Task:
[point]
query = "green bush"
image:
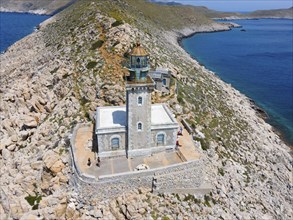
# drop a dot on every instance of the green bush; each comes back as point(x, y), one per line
point(91, 64)
point(34, 201)
point(221, 171)
point(180, 99)
point(97, 44)
point(117, 23)
point(204, 144)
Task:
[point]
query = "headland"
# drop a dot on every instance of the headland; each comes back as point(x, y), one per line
point(51, 83)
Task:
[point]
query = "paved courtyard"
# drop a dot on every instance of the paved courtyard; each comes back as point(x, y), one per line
point(187, 148)
point(87, 163)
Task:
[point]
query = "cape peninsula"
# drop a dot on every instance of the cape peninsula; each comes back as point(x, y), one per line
point(56, 77)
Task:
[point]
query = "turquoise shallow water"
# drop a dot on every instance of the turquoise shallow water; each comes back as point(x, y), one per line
point(257, 61)
point(14, 26)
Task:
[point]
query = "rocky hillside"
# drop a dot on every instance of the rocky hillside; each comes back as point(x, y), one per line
point(278, 13)
point(275, 14)
point(56, 77)
point(34, 6)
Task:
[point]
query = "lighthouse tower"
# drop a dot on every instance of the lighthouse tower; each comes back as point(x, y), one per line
point(139, 87)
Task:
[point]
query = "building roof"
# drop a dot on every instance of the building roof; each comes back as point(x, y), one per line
point(112, 116)
point(162, 70)
point(155, 75)
point(115, 116)
point(138, 50)
point(161, 115)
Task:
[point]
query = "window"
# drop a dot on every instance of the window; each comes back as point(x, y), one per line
point(164, 82)
point(160, 139)
point(139, 100)
point(115, 143)
point(139, 126)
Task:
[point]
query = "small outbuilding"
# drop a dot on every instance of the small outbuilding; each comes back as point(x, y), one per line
point(162, 79)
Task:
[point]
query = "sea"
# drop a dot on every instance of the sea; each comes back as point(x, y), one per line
point(14, 26)
point(257, 60)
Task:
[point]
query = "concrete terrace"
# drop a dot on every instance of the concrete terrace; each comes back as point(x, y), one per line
point(82, 150)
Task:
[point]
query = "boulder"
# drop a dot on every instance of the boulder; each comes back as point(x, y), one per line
point(30, 122)
point(5, 142)
point(50, 158)
point(7, 125)
point(37, 165)
point(28, 216)
point(57, 167)
point(5, 154)
point(16, 211)
point(70, 210)
point(60, 210)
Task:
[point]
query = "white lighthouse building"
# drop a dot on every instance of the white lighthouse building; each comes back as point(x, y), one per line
point(139, 128)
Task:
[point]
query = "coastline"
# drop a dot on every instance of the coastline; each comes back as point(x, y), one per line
point(36, 21)
point(42, 87)
point(250, 18)
point(187, 33)
point(34, 12)
point(258, 110)
point(40, 11)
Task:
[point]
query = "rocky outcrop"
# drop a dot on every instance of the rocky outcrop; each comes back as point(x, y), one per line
point(50, 83)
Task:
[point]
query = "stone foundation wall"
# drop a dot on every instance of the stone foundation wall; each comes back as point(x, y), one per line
point(186, 175)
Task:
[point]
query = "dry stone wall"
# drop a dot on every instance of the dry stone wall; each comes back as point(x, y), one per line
point(179, 176)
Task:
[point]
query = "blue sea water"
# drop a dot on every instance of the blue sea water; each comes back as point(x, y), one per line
point(257, 61)
point(14, 26)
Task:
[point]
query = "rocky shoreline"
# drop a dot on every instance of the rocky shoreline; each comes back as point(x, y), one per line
point(36, 12)
point(49, 87)
point(261, 112)
point(251, 18)
point(35, 7)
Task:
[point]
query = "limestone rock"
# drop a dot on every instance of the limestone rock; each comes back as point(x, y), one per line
point(6, 154)
point(60, 210)
point(50, 158)
point(37, 165)
point(30, 122)
point(57, 166)
point(16, 211)
point(29, 216)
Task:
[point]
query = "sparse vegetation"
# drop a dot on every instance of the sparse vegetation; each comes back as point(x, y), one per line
point(84, 43)
point(34, 201)
point(97, 44)
point(117, 23)
point(91, 65)
point(221, 171)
